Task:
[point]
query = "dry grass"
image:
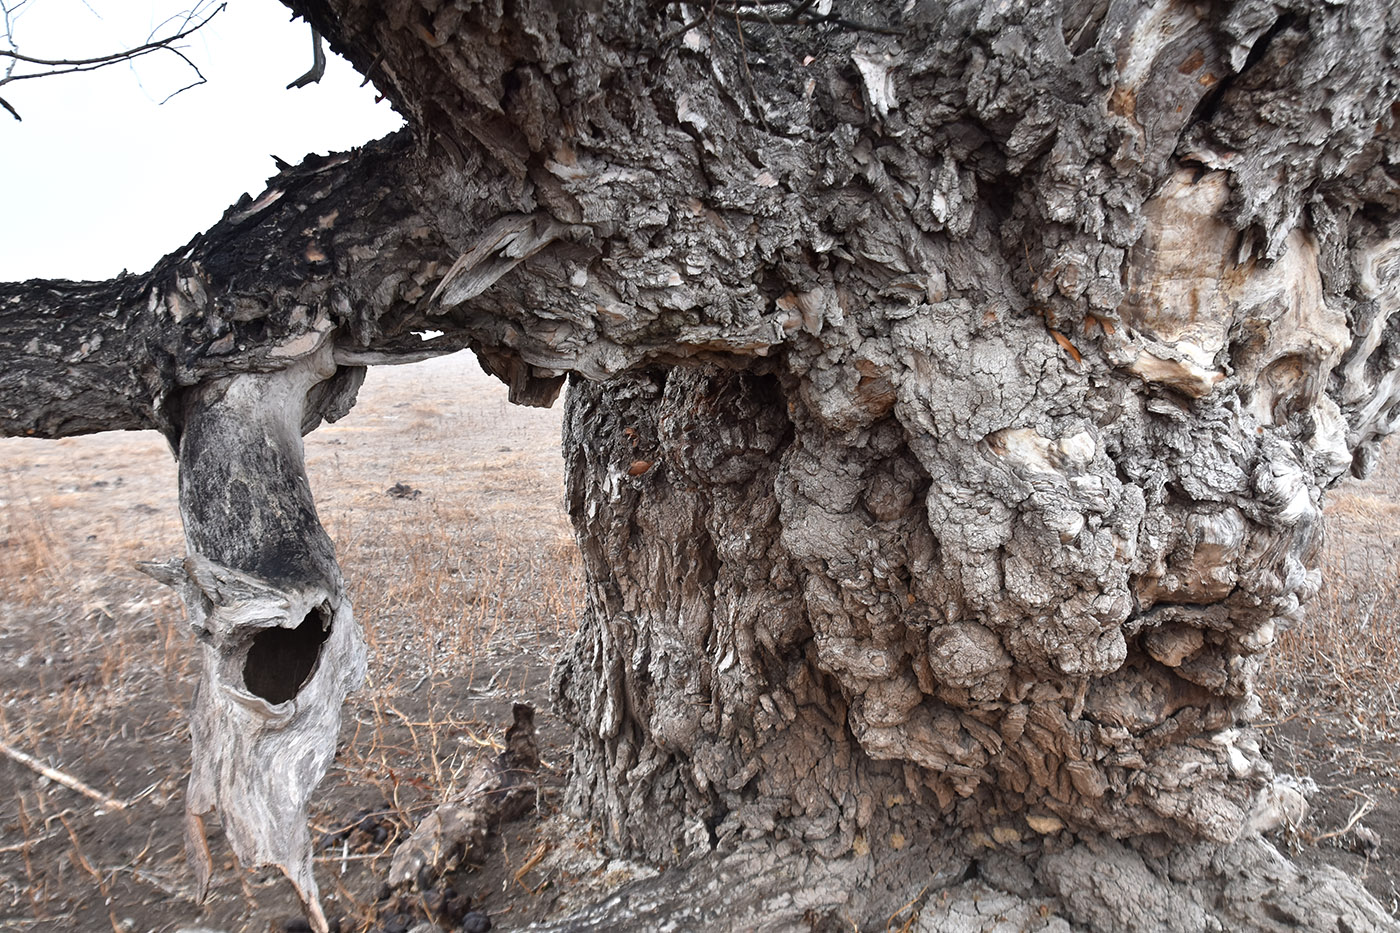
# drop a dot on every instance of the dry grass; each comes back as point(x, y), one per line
point(33, 555)
point(456, 608)
point(1332, 688)
point(1345, 656)
point(460, 589)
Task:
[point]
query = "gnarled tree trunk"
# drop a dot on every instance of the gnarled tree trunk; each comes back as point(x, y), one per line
point(956, 386)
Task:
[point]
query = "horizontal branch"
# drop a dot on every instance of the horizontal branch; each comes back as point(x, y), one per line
point(60, 777)
point(75, 361)
point(256, 292)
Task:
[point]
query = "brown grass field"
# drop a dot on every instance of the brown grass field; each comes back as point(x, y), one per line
point(466, 593)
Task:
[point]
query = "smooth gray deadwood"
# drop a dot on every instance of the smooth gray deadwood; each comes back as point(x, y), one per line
point(279, 644)
point(956, 384)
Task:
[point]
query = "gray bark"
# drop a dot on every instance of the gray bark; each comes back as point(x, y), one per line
point(957, 385)
point(1096, 885)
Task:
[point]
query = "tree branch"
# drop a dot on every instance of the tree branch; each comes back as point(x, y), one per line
point(51, 67)
point(95, 356)
point(113, 57)
point(318, 62)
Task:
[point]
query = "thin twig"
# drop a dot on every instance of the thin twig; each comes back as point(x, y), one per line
point(530, 863)
point(909, 905)
point(79, 65)
point(682, 30)
point(372, 65)
point(114, 57)
point(748, 76)
point(22, 846)
point(68, 781)
point(355, 857)
point(1361, 809)
point(199, 77)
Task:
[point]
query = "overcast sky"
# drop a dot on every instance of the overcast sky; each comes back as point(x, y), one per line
point(100, 176)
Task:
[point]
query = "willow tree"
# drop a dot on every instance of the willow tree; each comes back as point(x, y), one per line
point(953, 390)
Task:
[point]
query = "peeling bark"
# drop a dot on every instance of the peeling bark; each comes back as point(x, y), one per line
point(953, 404)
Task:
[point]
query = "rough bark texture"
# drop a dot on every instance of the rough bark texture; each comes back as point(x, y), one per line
point(959, 383)
point(1096, 885)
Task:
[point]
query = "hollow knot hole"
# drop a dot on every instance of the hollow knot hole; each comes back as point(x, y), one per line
point(280, 660)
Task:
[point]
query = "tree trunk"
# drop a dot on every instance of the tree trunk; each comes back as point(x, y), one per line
point(956, 387)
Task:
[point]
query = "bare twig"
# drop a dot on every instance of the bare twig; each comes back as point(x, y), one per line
point(707, 16)
point(87, 64)
point(1361, 809)
point(68, 781)
point(24, 846)
point(530, 863)
point(49, 67)
point(198, 76)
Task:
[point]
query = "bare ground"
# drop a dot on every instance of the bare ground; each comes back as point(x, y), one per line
point(467, 585)
point(1332, 689)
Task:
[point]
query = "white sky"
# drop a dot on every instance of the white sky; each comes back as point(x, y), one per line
point(100, 176)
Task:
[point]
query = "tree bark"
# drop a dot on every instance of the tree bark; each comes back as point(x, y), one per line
point(1099, 885)
point(957, 385)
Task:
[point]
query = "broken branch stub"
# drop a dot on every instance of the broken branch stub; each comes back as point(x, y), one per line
point(279, 644)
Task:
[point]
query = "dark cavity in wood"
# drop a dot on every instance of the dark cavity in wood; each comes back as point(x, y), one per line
point(281, 660)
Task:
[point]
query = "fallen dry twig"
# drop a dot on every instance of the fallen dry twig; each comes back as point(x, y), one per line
point(67, 780)
point(1359, 811)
